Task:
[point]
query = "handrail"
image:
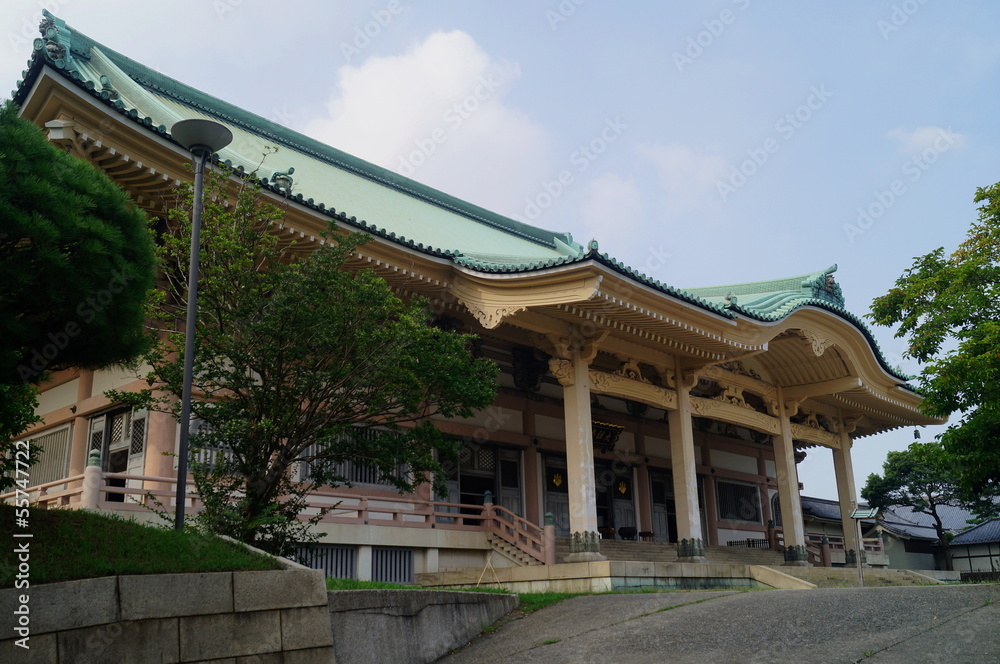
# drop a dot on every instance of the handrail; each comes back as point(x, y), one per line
point(515, 530)
point(344, 507)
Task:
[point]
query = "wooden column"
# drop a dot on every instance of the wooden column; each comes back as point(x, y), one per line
point(690, 545)
point(574, 375)
point(788, 489)
point(843, 466)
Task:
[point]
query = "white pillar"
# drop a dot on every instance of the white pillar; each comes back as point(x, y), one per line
point(846, 493)
point(585, 544)
point(363, 563)
point(788, 490)
point(690, 541)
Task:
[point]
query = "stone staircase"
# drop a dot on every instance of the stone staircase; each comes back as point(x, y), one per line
point(846, 577)
point(510, 551)
point(625, 550)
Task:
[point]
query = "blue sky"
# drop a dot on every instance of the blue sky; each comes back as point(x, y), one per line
point(708, 143)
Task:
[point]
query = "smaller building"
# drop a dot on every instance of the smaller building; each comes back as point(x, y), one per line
point(978, 549)
point(911, 542)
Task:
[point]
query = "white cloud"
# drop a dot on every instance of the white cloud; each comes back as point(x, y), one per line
point(925, 138)
point(688, 177)
point(611, 210)
point(436, 113)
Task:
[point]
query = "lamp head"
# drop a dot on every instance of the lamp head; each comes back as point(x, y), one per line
point(201, 135)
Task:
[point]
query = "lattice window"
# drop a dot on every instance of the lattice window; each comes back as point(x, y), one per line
point(486, 458)
point(138, 436)
point(738, 501)
point(776, 509)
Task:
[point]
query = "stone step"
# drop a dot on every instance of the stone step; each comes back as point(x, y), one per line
point(847, 577)
point(667, 552)
point(511, 552)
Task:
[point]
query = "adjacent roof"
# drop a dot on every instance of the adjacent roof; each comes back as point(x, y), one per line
point(385, 203)
point(984, 533)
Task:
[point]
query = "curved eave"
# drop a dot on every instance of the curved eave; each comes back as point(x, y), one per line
point(229, 114)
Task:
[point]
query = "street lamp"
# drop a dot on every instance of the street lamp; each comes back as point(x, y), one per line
point(202, 138)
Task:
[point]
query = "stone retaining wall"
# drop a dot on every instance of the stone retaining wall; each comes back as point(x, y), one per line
point(409, 626)
point(281, 616)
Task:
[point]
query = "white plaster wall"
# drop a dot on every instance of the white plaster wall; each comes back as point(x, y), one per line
point(659, 447)
point(626, 442)
point(494, 418)
point(61, 396)
point(550, 427)
point(109, 379)
point(730, 461)
point(770, 468)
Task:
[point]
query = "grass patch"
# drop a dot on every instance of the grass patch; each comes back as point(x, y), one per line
point(75, 544)
point(531, 602)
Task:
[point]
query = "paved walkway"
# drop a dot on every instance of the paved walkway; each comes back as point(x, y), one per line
point(915, 625)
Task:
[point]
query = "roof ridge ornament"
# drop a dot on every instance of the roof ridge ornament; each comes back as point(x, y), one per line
point(55, 43)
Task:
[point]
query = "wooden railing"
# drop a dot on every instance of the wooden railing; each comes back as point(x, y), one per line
point(516, 531)
point(92, 490)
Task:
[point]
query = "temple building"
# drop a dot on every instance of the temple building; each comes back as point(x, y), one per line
point(627, 408)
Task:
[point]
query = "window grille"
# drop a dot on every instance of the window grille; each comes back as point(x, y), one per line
point(355, 472)
point(390, 565)
point(337, 562)
point(738, 501)
point(53, 461)
point(138, 436)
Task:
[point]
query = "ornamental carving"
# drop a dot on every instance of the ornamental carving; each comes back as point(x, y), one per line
point(562, 370)
point(819, 344)
point(727, 412)
point(812, 435)
point(645, 392)
point(737, 367)
point(490, 318)
point(733, 395)
point(630, 369)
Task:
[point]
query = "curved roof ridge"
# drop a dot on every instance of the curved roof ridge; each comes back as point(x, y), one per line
point(80, 45)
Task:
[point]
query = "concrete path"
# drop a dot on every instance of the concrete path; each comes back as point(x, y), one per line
point(915, 625)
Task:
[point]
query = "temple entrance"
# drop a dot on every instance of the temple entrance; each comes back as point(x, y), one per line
point(483, 468)
point(614, 498)
point(615, 502)
point(661, 484)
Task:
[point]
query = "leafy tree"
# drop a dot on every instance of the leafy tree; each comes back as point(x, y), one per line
point(17, 413)
point(301, 362)
point(948, 309)
point(923, 477)
point(76, 259)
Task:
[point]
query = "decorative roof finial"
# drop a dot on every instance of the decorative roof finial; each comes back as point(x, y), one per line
point(283, 180)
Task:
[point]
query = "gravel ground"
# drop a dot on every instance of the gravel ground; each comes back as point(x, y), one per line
point(916, 625)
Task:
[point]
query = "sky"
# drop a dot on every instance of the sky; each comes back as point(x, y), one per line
point(702, 143)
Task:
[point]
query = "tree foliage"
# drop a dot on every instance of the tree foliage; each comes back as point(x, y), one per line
point(924, 477)
point(948, 309)
point(302, 363)
point(76, 260)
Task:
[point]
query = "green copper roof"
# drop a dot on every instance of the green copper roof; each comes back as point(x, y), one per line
point(388, 201)
point(381, 202)
point(775, 299)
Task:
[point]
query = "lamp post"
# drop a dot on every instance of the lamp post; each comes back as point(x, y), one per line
point(202, 138)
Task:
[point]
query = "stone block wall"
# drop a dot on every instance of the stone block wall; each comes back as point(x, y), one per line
point(267, 616)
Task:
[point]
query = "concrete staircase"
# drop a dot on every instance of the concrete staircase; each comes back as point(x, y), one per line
point(511, 552)
point(623, 550)
point(846, 577)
